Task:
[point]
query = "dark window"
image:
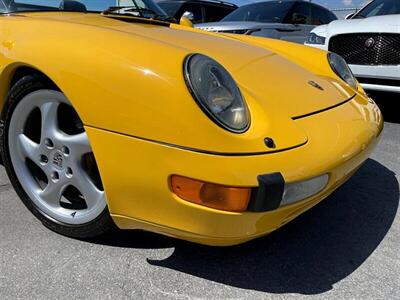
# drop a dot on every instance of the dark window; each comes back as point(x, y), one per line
point(170, 7)
point(267, 12)
point(300, 14)
point(379, 8)
point(320, 15)
point(215, 13)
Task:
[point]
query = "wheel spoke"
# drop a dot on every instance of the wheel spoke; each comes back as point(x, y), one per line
point(86, 186)
point(53, 192)
point(49, 119)
point(28, 148)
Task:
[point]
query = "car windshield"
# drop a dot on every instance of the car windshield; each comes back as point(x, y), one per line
point(170, 7)
point(379, 8)
point(140, 8)
point(266, 12)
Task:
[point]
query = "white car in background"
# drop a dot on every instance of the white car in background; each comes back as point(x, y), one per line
point(370, 43)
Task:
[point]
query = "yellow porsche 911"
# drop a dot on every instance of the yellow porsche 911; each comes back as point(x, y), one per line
point(115, 116)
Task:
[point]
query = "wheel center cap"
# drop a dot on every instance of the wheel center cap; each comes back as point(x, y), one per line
point(58, 160)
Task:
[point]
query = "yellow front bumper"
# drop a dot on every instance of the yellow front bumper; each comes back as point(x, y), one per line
point(135, 174)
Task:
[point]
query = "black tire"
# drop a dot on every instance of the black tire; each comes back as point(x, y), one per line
point(25, 86)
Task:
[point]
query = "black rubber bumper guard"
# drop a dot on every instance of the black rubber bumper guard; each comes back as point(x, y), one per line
point(268, 195)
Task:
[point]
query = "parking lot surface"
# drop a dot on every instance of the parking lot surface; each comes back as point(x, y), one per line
point(345, 247)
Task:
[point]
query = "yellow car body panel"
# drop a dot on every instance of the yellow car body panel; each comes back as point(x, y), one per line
point(137, 172)
point(139, 57)
point(125, 80)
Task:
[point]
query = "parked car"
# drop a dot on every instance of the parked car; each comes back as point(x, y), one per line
point(369, 42)
point(197, 11)
point(113, 119)
point(285, 20)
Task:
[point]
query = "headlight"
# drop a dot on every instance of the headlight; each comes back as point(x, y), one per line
point(216, 92)
point(315, 39)
point(341, 68)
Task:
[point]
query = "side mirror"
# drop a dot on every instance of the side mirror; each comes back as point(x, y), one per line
point(185, 22)
point(349, 16)
point(189, 15)
point(299, 18)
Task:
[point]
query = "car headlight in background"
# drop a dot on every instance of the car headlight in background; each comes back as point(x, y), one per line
point(315, 39)
point(216, 92)
point(341, 68)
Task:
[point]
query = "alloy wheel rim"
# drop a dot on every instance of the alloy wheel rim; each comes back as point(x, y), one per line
point(55, 168)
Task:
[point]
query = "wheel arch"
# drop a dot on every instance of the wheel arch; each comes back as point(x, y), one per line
point(13, 73)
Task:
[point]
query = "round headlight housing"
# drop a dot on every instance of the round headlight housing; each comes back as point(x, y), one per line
point(341, 68)
point(216, 93)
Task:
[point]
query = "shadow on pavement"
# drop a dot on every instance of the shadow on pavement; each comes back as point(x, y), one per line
point(137, 239)
point(388, 103)
point(310, 254)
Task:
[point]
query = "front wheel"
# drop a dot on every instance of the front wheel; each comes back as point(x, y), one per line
point(49, 160)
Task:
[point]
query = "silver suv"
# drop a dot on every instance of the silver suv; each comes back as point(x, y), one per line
point(286, 20)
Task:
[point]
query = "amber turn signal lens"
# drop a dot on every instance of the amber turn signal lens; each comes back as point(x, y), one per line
point(211, 195)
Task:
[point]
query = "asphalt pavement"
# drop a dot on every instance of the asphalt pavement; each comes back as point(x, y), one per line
point(345, 247)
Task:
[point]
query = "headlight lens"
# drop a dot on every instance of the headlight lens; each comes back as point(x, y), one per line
point(216, 92)
point(315, 39)
point(301, 190)
point(341, 68)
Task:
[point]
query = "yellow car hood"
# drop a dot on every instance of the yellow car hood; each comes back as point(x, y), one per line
point(262, 72)
point(265, 74)
point(276, 89)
